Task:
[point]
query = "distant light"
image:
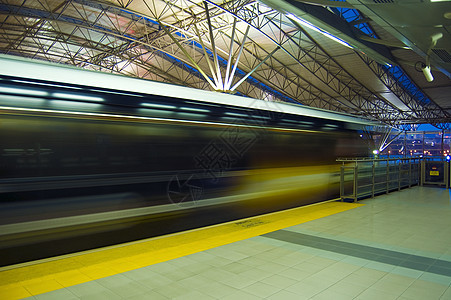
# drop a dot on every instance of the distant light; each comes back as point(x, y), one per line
point(235, 114)
point(448, 158)
point(290, 120)
point(78, 113)
point(427, 73)
point(375, 152)
point(190, 115)
point(337, 39)
point(259, 117)
point(159, 105)
point(303, 22)
point(74, 104)
point(17, 100)
point(77, 97)
point(195, 109)
point(10, 90)
point(154, 111)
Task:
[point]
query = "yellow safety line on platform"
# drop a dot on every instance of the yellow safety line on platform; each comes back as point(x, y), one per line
point(65, 271)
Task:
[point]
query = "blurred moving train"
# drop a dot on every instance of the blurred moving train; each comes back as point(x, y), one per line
point(99, 159)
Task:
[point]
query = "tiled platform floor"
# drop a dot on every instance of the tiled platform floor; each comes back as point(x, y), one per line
point(397, 246)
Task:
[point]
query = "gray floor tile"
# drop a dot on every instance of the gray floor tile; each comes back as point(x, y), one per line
point(286, 295)
point(296, 274)
point(218, 290)
point(235, 267)
point(155, 281)
point(240, 295)
point(272, 267)
point(232, 255)
point(239, 281)
point(194, 295)
point(197, 268)
point(104, 295)
point(256, 274)
point(329, 294)
point(196, 282)
point(349, 289)
point(57, 295)
point(138, 274)
point(261, 289)
point(252, 261)
point(149, 295)
point(446, 295)
point(115, 280)
point(217, 261)
point(376, 294)
point(129, 289)
point(91, 289)
point(163, 267)
point(172, 290)
point(182, 262)
point(305, 289)
point(178, 274)
point(217, 274)
point(422, 289)
point(440, 279)
point(280, 281)
point(309, 267)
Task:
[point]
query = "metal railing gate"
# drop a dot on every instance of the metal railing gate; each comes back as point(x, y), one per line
point(361, 178)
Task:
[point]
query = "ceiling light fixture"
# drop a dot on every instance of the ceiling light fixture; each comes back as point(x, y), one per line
point(427, 68)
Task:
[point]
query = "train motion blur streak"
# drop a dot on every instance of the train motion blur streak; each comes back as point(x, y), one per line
point(105, 166)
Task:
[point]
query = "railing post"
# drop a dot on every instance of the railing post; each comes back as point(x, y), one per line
point(342, 181)
point(387, 177)
point(446, 175)
point(373, 175)
point(422, 171)
point(410, 172)
point(356, 172)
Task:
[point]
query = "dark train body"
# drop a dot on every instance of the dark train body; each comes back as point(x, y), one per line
point(100, 159)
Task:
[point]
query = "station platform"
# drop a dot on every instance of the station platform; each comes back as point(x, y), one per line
point(395, 246)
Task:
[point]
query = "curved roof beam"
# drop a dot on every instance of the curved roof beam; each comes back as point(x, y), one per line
point(323, 18)
point(106, 41)
point(314, 58)
point(314, 95)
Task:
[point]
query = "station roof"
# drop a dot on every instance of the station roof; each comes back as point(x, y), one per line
point(363, 57)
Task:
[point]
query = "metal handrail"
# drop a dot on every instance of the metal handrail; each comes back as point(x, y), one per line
point(382, 176)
